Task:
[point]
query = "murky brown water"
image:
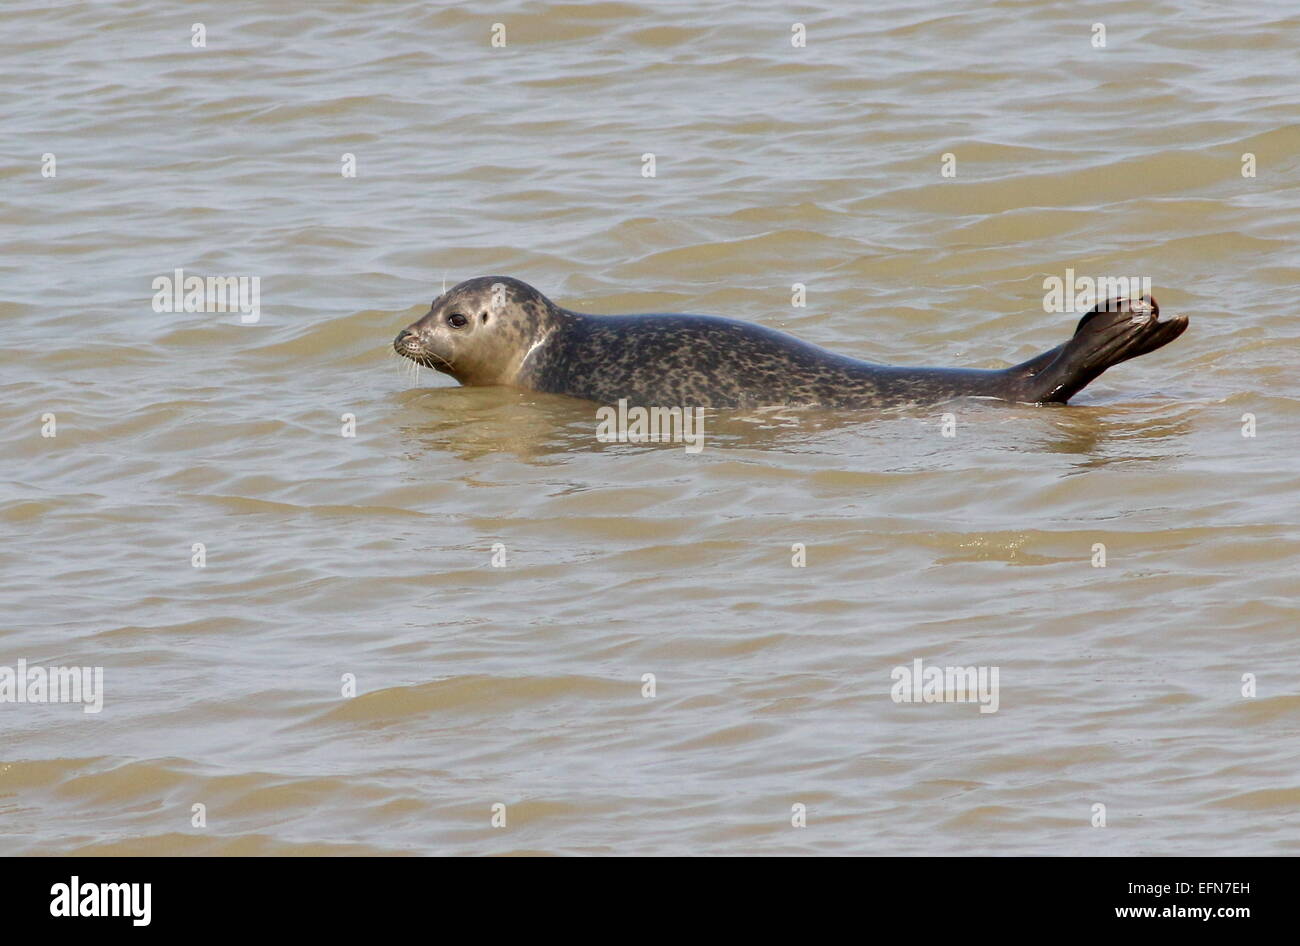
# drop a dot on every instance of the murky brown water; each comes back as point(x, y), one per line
point(522, 685)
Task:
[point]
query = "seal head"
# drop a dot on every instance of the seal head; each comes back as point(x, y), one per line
point(481, 331)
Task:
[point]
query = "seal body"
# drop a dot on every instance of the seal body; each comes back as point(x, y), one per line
point(498, 330)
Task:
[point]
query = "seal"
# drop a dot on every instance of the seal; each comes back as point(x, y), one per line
point(495, 330)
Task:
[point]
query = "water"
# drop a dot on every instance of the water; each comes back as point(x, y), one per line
point(522, 685)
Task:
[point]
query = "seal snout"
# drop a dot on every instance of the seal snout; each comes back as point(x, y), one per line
point(406, 343)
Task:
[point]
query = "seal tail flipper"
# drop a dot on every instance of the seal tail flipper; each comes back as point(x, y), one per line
point(1114, 331)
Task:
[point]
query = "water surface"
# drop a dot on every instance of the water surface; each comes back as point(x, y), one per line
point(522, 685)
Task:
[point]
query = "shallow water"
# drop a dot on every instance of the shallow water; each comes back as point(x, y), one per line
point(522, 685)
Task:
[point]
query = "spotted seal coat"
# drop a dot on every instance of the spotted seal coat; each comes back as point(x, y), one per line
point(495, 330)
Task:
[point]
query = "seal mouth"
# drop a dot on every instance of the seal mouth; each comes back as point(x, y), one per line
point(408, 345)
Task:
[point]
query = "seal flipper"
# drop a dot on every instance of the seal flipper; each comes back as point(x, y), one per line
point(1114, 331)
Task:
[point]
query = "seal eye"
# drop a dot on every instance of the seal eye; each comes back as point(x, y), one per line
point(456, 320)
